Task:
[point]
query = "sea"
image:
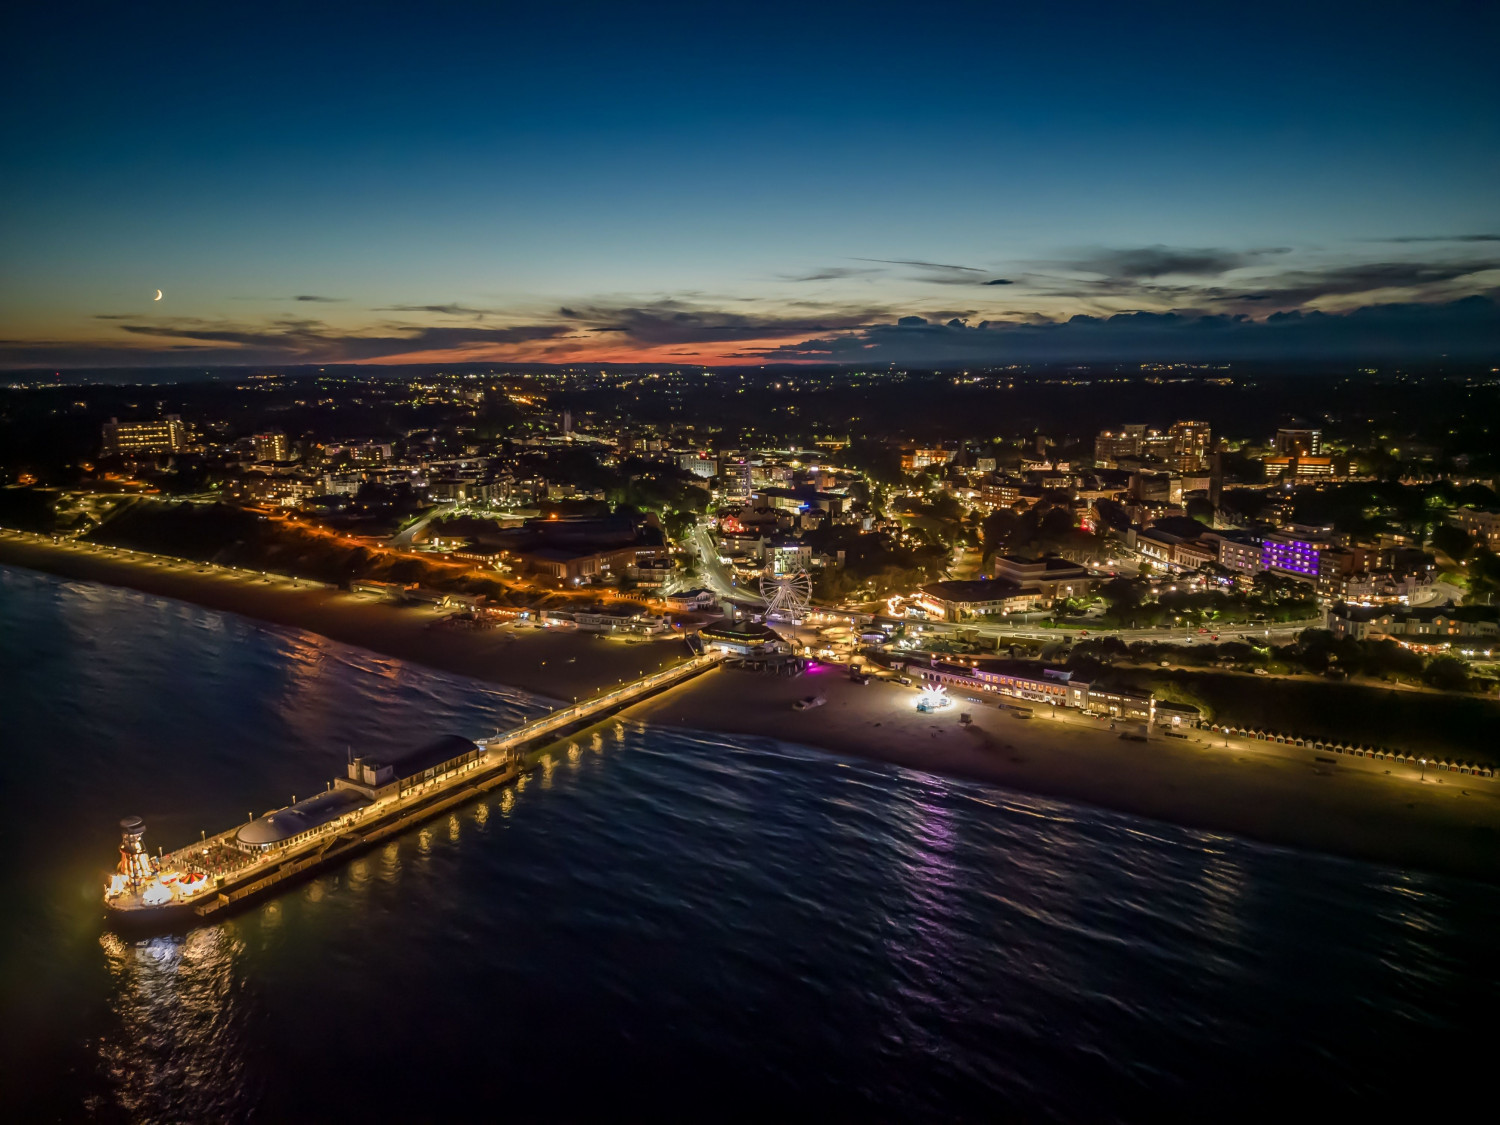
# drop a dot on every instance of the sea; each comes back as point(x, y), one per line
point(663, 925)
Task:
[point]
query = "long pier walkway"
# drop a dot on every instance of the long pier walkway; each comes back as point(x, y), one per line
point(600, 705)
point(504, 758)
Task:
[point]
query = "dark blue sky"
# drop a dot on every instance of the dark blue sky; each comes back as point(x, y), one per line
point(735, 182)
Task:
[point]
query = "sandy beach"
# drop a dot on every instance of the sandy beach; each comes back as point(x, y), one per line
point(560, 664)
point(1355, 807)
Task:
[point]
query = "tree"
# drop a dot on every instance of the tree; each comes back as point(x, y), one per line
point(1452, 541)
point(1123, 593)
point(1446, 673)
point(1483, 568)
point(947, 507)
point(997, 529)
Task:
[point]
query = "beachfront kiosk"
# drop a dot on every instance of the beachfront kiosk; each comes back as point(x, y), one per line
point(750, 643)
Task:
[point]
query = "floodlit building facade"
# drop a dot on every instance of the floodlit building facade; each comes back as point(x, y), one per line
point(167, 435)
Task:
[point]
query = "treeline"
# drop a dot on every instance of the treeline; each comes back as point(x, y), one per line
point(223, 535)
point(1045, 528)
point(1316, 652)
point(1454, 726)
point(872, 560)
point(1131, 605)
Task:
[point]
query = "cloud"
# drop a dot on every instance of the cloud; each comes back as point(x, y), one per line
point(1207, 322)
point(1293, 288)
point(920, 264)
point(440, 310)
point(288, 340)
point(1160, 278)
point(1464, 329)
point(1442, 238)
point(928, 273)
point(830, 273)
point(938, 273)
point(320, 300)
point(670, 321)
point(1146, 262)
point(619, 330)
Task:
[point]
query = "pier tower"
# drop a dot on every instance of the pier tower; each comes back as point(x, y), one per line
point(135, 864)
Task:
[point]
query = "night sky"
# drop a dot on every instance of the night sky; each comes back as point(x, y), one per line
point(749, 183)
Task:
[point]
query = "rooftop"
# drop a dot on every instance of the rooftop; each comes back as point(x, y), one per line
point(980, 590)
point(1418, 613)
point(613, 609)
point(292, 821)
point(739, 631)
point(435, 753)
point(1049, 562)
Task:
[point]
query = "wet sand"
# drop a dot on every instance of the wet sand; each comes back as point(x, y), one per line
point(1355, 807)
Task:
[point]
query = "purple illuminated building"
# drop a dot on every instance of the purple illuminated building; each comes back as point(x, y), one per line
point(1291, 555)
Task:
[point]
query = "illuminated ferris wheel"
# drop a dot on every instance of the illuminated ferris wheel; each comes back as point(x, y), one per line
point(788, 596)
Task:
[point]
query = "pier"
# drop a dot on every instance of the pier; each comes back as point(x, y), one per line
point(204, 879)
point(560, 721)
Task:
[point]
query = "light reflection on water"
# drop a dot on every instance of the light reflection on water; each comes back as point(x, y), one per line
point(174, 1004)
point(667, 915)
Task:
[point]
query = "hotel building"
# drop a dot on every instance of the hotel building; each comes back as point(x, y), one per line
point(1287, 553)
point(169, 435)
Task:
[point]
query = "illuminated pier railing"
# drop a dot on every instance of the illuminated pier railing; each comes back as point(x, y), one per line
point(635, 689)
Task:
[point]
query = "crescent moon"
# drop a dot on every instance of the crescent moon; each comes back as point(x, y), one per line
point(158, 296)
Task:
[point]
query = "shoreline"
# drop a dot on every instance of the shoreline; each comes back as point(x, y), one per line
point(556, 664)
point(1359, 808)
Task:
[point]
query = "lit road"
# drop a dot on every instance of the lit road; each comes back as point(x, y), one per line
point(402, 540)
point(1280, 633)
point(715, 574)
point(1439, 593)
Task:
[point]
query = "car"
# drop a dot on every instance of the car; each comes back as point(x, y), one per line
point(1261, 672)
point(1202, 630)
point(808, 702)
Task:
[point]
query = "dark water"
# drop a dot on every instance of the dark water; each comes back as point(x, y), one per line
point(664, 926)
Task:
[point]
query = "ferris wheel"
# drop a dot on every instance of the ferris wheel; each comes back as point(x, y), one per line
point(788, 596)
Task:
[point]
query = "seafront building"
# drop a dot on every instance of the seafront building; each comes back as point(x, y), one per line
point(1051, 577)
point(957, 600)
point(750, 642)
point(1429, 624)
point(1048, 686)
